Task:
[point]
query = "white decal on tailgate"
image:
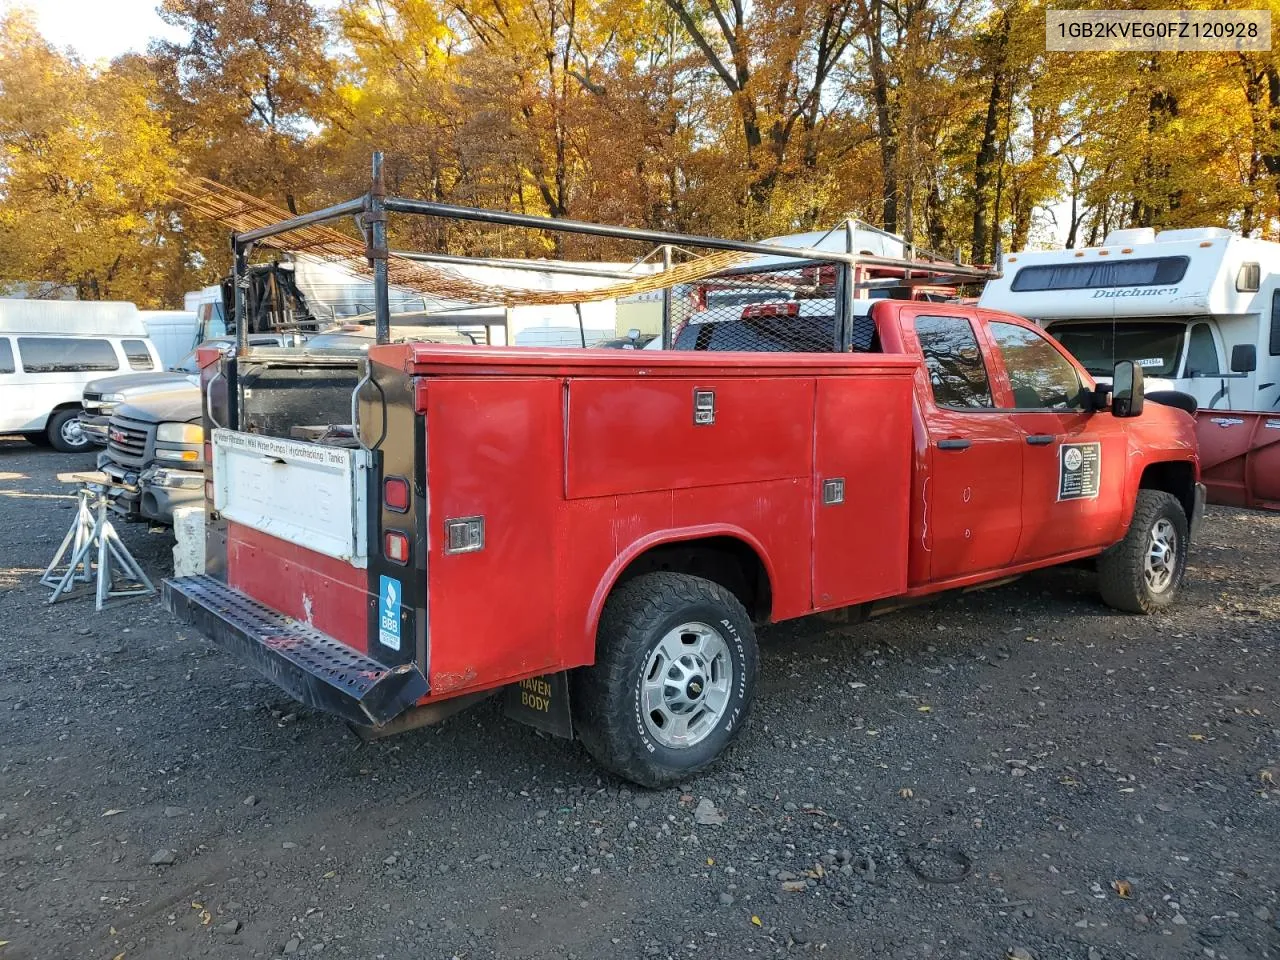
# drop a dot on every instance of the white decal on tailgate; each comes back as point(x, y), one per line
point(305, 493)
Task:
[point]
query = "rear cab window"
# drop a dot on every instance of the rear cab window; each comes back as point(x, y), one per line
point(957, 370)
point(136, 352)
point(67, 355)
point(6, 356)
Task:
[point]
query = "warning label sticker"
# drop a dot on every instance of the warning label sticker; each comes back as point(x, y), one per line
point(1079, 470)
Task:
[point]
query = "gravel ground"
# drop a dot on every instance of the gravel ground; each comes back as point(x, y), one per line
point(1013, 773)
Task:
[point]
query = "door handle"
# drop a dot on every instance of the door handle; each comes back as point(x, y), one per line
point(1040, 439)
point(954, 443)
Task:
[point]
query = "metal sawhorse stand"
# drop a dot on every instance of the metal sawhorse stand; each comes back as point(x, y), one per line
point(92, 533)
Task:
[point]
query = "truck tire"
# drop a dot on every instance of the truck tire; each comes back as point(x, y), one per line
point(64, 433)
point(1142, 573)
point(673, 681)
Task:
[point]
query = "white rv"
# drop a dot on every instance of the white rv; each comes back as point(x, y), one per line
point(49, 349)
point(1198, 309)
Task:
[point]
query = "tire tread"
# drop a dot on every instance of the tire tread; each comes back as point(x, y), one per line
point(601, 692)
point(1120, 566)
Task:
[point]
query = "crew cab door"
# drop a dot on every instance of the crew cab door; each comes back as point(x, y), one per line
point(1073, 460)
point(972, 491)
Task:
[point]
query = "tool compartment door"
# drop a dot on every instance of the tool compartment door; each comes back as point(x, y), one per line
point(862, 485)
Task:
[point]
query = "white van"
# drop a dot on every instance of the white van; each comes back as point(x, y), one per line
point(49, 350)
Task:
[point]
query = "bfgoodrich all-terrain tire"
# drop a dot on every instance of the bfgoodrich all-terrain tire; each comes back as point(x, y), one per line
point(673, 681)
point(1142, 573)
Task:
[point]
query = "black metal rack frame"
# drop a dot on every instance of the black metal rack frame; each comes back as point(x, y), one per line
point(372, 210)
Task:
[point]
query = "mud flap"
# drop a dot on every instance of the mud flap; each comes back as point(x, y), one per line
point(542, 703)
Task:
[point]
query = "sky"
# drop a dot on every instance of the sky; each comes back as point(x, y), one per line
point(97, 29)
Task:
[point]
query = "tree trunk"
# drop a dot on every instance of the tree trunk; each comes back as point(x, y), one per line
point(985, 161)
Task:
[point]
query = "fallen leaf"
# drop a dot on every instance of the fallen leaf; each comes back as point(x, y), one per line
point(1198, 737)
point(118, 956)
point(112, 812)
point(330, 875)
point(1122, 888)
point(196, 906)
point(1266, 777)
point(756, 921)
point(206, 917)
point(711, 862)
point(925, 708)
point(906, 793)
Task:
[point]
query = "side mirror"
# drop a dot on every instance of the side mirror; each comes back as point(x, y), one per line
point(1126, 390)
point(633, 334)
point(1244, 358)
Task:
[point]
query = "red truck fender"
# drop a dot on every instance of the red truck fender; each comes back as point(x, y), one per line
point(660, 538)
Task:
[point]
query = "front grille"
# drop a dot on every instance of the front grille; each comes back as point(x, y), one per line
point(127, 441)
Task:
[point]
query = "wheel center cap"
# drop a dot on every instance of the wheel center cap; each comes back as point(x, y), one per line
point(694, 688)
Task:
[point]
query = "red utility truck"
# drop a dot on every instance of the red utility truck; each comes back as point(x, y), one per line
point(600, 532)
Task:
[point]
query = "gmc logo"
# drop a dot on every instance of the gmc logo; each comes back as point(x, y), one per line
point(117, 436)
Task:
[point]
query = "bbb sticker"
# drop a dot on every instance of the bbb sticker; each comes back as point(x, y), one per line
point(389, 594)
point(1079, 470)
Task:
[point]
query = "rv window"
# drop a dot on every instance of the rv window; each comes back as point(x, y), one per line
point(1249, 277)
point(1086, 275)
point(138, 355)
point(6, 356)
point(1275, 324)
point(1040, 377)
point(954, 361)
point(1202, 352)
point(66, 355)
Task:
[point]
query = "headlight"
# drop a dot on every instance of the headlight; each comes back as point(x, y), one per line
point(189, 455)
point(112, 397)
point(180, 433)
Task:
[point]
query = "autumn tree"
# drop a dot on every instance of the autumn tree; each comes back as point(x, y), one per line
point(87, 161)
point(244, 89)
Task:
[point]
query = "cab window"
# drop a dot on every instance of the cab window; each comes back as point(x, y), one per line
point(1202, 353)
point(1040, 377)
point(954, 361)
point(6, 356)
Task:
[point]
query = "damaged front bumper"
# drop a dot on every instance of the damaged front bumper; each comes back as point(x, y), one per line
point(311, 666)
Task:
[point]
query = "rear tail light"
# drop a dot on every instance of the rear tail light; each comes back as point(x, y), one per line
point(395, 546)
point(395, 494)
point(791, 309)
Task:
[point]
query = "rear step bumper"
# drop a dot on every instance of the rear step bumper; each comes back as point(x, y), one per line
point(315, 668)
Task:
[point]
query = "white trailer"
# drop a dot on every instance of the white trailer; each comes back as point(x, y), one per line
point(1198, 309)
